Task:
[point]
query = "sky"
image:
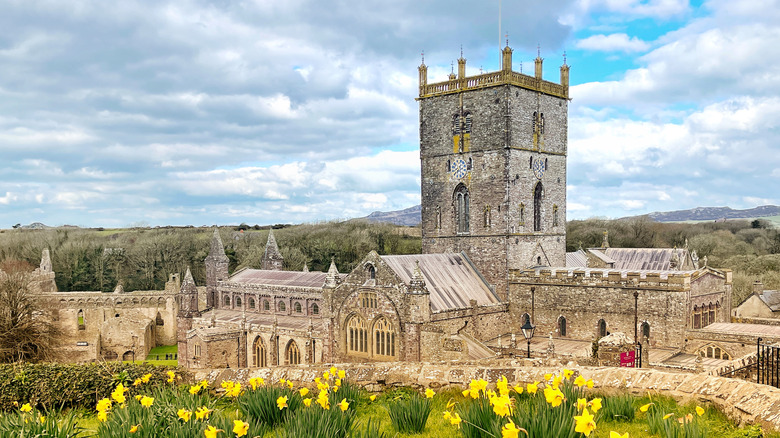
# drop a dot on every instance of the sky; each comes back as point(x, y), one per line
point(191, 112)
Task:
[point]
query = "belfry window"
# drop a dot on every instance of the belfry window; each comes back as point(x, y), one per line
point(467, 124)
point(456, 124)
point(461, 200)
point(227, 301)
point(487, 218)
point(555, 215)
point(538, 207)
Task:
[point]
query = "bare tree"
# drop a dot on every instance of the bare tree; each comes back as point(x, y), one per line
point(26, 333)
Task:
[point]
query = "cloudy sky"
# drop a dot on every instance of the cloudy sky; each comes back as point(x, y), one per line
point(286, 111)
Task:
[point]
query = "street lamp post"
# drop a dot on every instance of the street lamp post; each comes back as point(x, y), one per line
point(528, 332)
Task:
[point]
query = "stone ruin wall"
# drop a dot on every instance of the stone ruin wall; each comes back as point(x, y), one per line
point(744, 402)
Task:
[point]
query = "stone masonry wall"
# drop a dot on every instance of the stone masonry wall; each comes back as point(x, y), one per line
point(743, 401)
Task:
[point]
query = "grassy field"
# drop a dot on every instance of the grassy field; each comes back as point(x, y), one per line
point(161, 352)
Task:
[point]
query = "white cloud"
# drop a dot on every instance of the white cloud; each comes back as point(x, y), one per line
point(616, 42)
point(640, 8)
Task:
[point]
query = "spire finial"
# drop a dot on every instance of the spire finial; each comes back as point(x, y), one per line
point(480, 69)
point(564, 57)
point(521, 66)
point(507, 39)
point(452, 67)
point(461, 50)
point(422, 54)
point(538, 50)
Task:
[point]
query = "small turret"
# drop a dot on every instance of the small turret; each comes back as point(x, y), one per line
point(216, 269)
point(417, 283)
point(506, 63)
point(332, 279)
point(305, 267)
point(461, 66)
point(45, 261)
point(422, 71)
point(538, 65)
point(188, 297)
point(565, 77)
point(272, 258)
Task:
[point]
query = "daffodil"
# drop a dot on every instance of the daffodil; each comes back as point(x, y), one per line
point(699, 410)
point(589, 384)
point(102, 416)
point(281, 402)
point(211, 432)
point(344, 405)
point(667, 416)
point(202, 413)
point(585, 423)
point(455, 420)
point(429, 393)
point(581, 403)
point(447, 415)
point(333, 371)
point(372, 397)
point(502, 406)
point(326, 375)
point(466, 392)
point(518, 389)
point(532, 387)
point(580, 381)
point(171, 376)
point(567, 374)
point(26, 408)
point(307, 402)
point(510, 430)
point(553, 396)
point(240, 428)
point(145, 378)
point(614, 434)
point(323, 402)
point(194, 389)
point(450, 404)
point(184, 414)
point(137, 382)
point(134, 429)
point(303, 391)
point(644, 408)
point(342, 374)
point(338, 382)
point(547, 377)
point(595, 404)
point(147, 401)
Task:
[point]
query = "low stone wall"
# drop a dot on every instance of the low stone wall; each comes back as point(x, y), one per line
point(744, 402)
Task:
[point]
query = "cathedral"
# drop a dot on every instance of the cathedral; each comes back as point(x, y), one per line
point(493, 151)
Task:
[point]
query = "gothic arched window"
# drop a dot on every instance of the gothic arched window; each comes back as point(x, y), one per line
point(282, 306)
point(251, 303)
point(602, 328)
point(292, 354)
point(227, 301)
point(538, 207)
point(238, 301)
point(266, 305)
point(357, 335)
point(456, 124)
point(315, 309)
point(298, 308)
point(384, 338)
point(461, 200)
point(259, 350)
point(562, 326)
point(646, 329)
point(467, 124)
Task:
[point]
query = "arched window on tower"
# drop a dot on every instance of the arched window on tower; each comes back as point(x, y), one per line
point(541, 123)
point(487, 218)
point(456, 124)
point(555, 215)
point(646, 330)
point(601, 329)
point(562, 326)
point(538, 207)
point(292, 354)
point(315, 309)
point(259, 350)
point(80, 320)
point(461, 200)
point(522, 214)
point(467, 124)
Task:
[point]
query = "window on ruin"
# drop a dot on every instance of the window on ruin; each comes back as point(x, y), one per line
point(80, 320)
point(696, 317)
point(266, 305)
point(197, 351)
point(601, 328)
point(522, 214)
point(461, 199)
point(555, 215)
point(238, 301)
point(646, 330)
point(159, 321)
point(251, 303)
point(293, 354)
point(384, 338)
point(371, 271)
point(714, 352)
point(315, 309)
point(227, 301)
point(128, 356)
point(298, 308)
point(562, 326)
point(538, 207)
point(538, 260)
point(282, 306)
point(259, 351)
point(487, 217)
point(357, 335)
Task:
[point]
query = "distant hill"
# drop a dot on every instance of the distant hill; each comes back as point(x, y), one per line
point(409, 217)
point(714, 213)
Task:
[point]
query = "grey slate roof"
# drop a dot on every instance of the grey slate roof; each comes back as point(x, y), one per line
point(279, 278)
point(771, 298)
point(736, 328)
point(576, 259)
point(264, 319)
point(645, 258)
point(451, 279)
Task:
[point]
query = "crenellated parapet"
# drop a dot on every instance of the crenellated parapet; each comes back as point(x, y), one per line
point(506, 76)
point(677, 280)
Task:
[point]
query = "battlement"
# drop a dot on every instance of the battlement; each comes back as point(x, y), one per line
point(677, 280)
point(506, 76)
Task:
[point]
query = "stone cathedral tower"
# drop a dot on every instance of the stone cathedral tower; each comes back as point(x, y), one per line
point(493, 152)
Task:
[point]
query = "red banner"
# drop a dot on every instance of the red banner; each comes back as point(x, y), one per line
point(628, 359)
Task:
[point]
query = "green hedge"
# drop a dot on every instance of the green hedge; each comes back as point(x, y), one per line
point(55, 385)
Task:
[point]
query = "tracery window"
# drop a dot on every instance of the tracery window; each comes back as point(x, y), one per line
point(315, 309)
point(282, 306)
point(238, 301)
point(292, 354)
point(298, 308)
point(266, 305)
point(357, 335)
point(227, 301)
point(384, 338)
point(259, 350)
point(368, 300)
point(461, 199)
point(251, 303)
point(646, 330)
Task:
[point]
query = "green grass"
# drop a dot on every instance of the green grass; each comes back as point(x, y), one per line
point(164, 349)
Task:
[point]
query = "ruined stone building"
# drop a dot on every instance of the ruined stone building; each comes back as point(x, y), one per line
point(493, 150)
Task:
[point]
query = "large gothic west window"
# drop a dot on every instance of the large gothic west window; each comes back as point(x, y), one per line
point(384, 338)
point(461, 199)
point(538, 207)
point(357, 335)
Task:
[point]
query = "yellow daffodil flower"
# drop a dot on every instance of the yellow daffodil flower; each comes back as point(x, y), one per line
point(450, 404)
point(146, 377)
point(333, 371)
point(338, 382)
point(699, 410)
point(667, 416)
point(553, 396)
point(104, 405)
point(466, 392)
point(26, 408)
point(324, 403)
point(194, 389)
point(147, 401)
point(344, 405)
point(184, 414)
point(502, 406)
point(290, 384)
point(510, 430)
point(211, 432)
point(281, 402)
point(202, 413)
point(614, 434)
point(589, 384)
point(644, 408)
point(102, 416)
point(171, 376)
point(429, 393)
point(581, 403)
point(532, 387)
point(518, 389)
point(595, 404)
point(585, 423)
point(567, 374)
point(547, 377)
point(580, 381)
point(307, 402)
point(447, 415)
point(303, 391)
point(205, 383)
point(138, 397)
point(326, 375)
point(342, 374)
point(455, 420)
point(240, 428)
point(134, 429)
point(137, 382)
point(372, 397)
point(42, 419)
